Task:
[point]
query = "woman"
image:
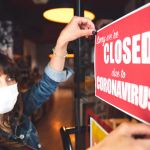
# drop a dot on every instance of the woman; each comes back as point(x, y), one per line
point(16, 129)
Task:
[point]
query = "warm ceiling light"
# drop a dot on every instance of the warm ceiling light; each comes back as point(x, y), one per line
point(64, 15)
point(67, 56)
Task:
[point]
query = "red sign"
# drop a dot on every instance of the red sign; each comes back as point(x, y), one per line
point(122, 64)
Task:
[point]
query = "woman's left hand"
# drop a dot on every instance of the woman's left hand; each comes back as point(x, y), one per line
point(78, 27)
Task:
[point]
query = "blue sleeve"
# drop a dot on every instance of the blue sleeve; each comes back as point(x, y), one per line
point(58, 76)
point(40, 92)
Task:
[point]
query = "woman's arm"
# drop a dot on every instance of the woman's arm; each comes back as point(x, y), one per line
point(78, 27)
point(54, 71)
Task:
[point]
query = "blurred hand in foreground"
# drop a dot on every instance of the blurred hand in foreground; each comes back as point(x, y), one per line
point(123, 138)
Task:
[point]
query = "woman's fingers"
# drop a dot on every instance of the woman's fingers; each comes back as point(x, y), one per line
point(86, 23)
point(78, 27)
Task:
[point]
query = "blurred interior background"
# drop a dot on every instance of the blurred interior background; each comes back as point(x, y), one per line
point(27, 37)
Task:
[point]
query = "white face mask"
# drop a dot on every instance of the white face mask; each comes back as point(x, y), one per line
point(8, 98)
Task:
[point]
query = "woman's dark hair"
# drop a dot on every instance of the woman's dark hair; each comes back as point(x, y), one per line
point(9, 67)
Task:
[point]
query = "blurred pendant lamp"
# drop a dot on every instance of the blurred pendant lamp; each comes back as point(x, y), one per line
point(64, 15)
